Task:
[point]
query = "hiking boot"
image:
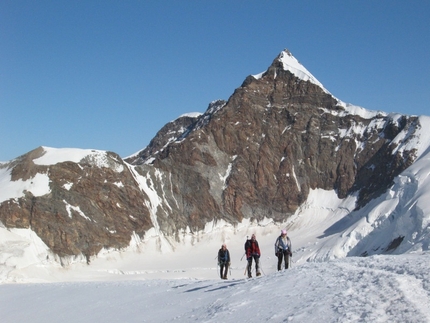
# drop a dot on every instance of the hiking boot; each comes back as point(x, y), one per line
point(258, 274)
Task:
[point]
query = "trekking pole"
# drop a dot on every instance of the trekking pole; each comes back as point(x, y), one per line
point(243, 256)
point(245, 250)
point(261, 268)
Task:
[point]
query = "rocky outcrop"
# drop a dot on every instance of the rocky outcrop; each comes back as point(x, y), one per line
point(169, 133)
point(87, 208)
point(174, 131)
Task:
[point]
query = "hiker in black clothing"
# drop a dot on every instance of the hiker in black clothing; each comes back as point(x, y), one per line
point(223, 261)
point(283, 249)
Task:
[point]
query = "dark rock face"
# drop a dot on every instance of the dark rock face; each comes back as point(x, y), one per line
point(279, 137)
point(257, 155)
point(169, 133)
point(175, 130)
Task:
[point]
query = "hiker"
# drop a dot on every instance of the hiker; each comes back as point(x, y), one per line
point(283, 249)
point(252, 252)
point(223, 261)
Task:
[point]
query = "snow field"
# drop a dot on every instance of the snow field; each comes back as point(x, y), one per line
point(373, 289)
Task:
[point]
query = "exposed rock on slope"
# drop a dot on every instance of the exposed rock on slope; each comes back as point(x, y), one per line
point(277, 137)
point(89, 205)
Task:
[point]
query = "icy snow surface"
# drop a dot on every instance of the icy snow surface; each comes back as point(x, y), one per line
point(376, 289)
point(54, 156)
point(191, 115)
point(38, 185)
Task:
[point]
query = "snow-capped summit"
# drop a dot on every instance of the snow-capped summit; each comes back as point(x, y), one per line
point(52, 156)
point(291, 64)
point(294, 66)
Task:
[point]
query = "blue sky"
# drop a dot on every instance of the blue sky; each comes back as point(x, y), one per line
point(109, 74)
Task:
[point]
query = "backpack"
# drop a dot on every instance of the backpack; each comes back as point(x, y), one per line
point(247, 244)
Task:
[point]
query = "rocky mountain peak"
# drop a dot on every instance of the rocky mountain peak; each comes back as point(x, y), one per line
point(256, 156)
point(287, 62)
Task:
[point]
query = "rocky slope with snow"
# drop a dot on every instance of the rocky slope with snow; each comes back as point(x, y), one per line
point(75, 206)
point(280, 136)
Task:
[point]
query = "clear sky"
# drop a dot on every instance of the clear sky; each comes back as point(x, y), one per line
point(109, 74)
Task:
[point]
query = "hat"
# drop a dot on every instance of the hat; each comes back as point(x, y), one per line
point(284, 231)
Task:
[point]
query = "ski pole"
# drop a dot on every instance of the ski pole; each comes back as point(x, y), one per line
point(262, 270)
point(245, 251)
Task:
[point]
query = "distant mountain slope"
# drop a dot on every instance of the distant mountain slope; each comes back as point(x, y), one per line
point(280, 136)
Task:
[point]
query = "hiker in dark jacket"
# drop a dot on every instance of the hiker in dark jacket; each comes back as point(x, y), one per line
point(283, 249)
point(252, 251)
point(223, 261)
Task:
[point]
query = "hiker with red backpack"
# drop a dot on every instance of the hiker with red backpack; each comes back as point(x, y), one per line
point(283, 249)
point(252, 251)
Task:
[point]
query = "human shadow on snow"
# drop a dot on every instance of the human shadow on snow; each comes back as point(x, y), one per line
point(229, 284)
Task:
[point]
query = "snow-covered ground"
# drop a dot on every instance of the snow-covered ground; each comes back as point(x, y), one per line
point(373, 289)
